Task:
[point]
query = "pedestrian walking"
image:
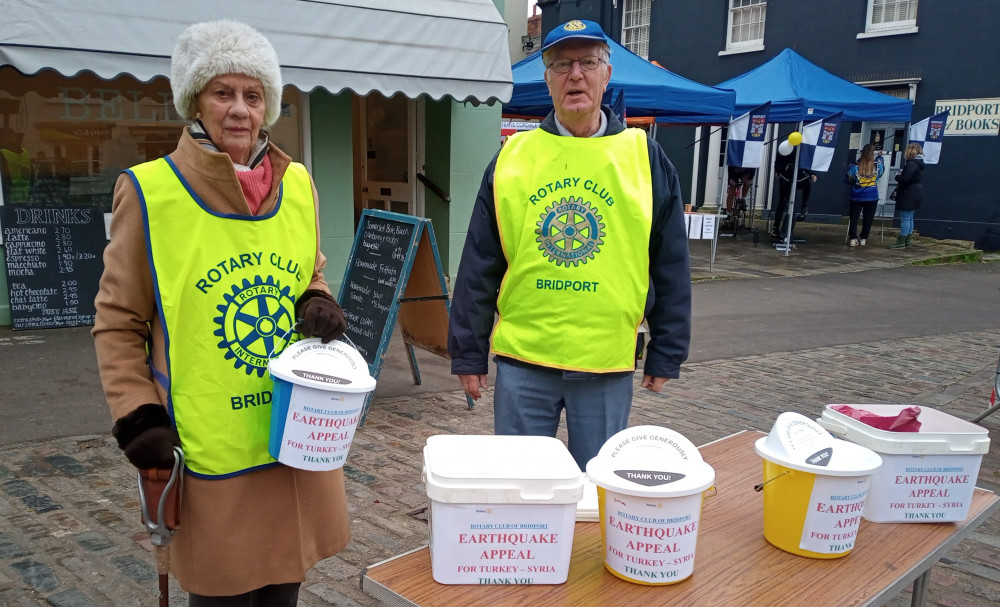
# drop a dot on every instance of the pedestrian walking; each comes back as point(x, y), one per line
point(909, 194)
point(214, 252)
point(863, 176)
point(573, 225)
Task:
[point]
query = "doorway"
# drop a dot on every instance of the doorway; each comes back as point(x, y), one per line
point(889, 140)
point(386, 149)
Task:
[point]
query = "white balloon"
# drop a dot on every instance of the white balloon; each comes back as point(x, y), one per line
point(785, 148)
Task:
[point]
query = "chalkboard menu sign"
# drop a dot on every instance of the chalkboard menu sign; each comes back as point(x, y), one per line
point(375, 275)
point(54, 264)
point(394, 271)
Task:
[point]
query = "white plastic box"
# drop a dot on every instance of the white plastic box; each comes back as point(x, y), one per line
point(502, 508)
point(927, 476)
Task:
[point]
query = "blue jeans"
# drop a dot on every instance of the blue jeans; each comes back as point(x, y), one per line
point(529, 401)
point(905, 221)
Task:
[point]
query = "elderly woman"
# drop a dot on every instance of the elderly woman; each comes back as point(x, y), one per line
point(214, 252)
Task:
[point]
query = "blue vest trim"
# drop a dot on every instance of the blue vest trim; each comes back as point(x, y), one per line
point(216, 477)
point(204, 207)
point(156, 282)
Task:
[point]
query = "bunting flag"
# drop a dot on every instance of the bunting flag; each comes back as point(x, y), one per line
point(746, 138)
point(928, 133)
point(819, 139)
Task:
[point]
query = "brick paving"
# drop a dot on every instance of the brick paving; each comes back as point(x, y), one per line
point(70, 537)
point(69, 516)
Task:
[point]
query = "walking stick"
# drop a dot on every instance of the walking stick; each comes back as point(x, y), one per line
point(160, 501)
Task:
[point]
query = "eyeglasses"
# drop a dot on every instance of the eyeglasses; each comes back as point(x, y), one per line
point(587, 64)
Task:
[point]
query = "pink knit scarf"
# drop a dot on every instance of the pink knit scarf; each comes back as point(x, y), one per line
point(256, 184)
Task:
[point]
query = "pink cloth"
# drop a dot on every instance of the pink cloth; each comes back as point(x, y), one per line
point(256, 184)
point(905, 421)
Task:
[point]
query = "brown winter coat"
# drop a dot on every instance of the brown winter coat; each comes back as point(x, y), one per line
point(236, 534)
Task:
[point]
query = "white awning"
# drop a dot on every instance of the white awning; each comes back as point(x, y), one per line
point(433, 47)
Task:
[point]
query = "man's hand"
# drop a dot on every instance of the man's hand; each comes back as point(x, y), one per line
point(654, 384)
point(814, 178)
point(473, 385)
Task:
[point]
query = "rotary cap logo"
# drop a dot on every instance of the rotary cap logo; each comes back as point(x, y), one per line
point(574, 26)
point(570, 232)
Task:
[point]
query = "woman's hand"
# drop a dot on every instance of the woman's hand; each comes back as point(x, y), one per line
point(321, 316)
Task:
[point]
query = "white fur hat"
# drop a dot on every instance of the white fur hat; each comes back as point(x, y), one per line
point(213, 48)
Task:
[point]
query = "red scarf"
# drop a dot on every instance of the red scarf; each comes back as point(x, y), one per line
point(256, 184)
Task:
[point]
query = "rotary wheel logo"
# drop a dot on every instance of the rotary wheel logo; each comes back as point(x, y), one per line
point(254, 319)
point(570, 232)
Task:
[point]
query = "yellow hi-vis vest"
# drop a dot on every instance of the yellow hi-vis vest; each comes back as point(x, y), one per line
point(19, 167)
point(574, 215)
point(225, 288)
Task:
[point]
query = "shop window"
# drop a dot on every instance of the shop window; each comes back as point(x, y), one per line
point(635, 26)
point(746, 25)
point(64, 141)
point(888, 15)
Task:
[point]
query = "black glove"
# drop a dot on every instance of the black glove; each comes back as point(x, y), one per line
point(321, 316)
point(147, 437)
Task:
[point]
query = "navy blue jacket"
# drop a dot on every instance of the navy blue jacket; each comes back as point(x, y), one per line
point(668, 307)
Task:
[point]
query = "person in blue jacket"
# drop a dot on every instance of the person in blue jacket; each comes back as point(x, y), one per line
point(577, 233)
point(863, 176)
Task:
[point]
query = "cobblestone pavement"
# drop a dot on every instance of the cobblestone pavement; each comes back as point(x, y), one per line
point(70, 536)
point(69, 518)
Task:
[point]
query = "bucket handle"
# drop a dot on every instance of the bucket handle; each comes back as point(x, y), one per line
point(760, 486)
point(295, 329)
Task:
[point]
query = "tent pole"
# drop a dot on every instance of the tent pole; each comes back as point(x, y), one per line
point(696, 165)
point(790, 210)
point(769, 187)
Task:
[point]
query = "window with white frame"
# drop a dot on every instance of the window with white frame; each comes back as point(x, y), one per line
point(891, 14)
point(635, 26)
point(746, 24)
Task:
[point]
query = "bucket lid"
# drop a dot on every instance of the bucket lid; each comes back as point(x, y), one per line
point(799, 443)
point(491, 469)
point(939, 434)
point(332, 366)
point(650, 461)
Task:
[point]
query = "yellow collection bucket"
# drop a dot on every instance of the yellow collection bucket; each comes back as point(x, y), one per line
point(786, 500)
point(815, 487)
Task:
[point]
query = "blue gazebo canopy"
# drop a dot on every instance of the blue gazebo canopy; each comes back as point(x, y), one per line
point(801, 90)
point(649, 90)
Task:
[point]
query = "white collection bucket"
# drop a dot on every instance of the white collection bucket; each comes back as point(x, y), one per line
point(502, 508)
point(319, 393)
point(815, 487)
point(926, 476)
point(650, 482)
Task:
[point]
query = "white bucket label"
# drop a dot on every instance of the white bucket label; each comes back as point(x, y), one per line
point(319, 428)
point(834, 514)
point(651, 539)
point(506, 544)
point(924, 489)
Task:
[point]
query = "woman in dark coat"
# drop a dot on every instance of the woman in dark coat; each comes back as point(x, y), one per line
point(909, 194)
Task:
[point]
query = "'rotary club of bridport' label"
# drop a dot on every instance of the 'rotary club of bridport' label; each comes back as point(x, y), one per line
point(501, 544)
point(651, 540)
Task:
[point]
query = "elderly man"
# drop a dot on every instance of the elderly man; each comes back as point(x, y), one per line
point(573, 224)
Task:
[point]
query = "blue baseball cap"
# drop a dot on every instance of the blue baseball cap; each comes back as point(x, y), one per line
point(579, 29)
